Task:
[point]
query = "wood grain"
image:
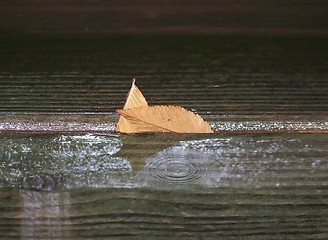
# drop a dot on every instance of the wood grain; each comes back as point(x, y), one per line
point(147, 214)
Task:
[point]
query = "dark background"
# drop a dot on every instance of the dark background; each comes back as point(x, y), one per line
point(163, 15)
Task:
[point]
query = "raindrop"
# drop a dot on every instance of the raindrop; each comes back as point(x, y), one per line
point(176, 170)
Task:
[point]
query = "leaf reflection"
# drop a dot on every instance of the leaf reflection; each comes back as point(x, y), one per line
point(137, 148)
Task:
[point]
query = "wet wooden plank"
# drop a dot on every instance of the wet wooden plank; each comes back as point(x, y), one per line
point(134, 214)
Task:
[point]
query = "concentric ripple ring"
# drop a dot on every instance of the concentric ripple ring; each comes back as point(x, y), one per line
point(175, 171)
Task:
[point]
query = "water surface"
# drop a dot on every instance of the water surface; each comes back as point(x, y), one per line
point(66, 174)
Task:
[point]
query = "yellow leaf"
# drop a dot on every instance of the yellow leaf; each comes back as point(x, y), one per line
point(138, 117)
point(165, 119)
point(134, 99)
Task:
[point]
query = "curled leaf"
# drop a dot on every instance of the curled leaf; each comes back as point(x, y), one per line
point(138, 117)
point(134, 99)
point(165, 119)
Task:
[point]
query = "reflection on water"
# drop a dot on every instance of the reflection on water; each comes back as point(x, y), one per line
point(45, 215)
point(35, 161)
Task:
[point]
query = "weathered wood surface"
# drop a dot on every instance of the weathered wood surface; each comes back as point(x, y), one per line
point(269, 213)
point(230, 80)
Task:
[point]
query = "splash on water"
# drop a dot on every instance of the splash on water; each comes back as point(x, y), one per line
point(269, 126)
point(176, 168)
point(241, 161)
point(50, 161)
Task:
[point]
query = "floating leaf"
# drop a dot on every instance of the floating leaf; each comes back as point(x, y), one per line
point(138, 117)
point(165, 119)
point(134, 99)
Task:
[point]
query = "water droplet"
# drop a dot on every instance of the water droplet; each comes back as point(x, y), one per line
point(177, 170)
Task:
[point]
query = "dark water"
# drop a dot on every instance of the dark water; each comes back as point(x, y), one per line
point(65, 173)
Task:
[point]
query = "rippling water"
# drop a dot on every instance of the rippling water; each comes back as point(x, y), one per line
point(47, 161)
